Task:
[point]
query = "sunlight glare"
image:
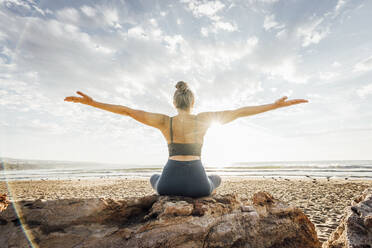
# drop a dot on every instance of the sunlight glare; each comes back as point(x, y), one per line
point(216, 143)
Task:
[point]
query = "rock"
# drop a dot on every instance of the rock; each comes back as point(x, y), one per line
point(3, 202)
point(262, 198)
point(158, 221)
point(247, 208)
point(355, 229)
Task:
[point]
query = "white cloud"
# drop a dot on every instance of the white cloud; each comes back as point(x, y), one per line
point(219, 25)
point(222, 55)
point(364, 91)
point(137, 32)
point(153, 22)
point(204, 31)
point(6, 51)
point(288, 93)
point(338, 8)
point(286, 69)
point(249, 88)
point(328, 75)
point(111, 17)
point(174, 42)
point(208, 9)
point(225, 26)
point(364, 65)
point(312, 32)
point(88, 11)
point(133, 57)
point(68, 15)
point(270, 23)
point(340, 4)
point(336, 64)
point(281, 34)
point(23, 5)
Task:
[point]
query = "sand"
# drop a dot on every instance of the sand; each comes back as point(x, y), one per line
point(321, 200)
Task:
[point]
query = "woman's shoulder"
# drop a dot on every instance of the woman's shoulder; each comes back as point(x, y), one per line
point(205, 116)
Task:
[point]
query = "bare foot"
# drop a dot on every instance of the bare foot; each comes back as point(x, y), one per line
point(213, 192)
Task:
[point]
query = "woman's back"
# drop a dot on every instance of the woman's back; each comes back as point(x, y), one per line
point(185, 129)
point(184, 135)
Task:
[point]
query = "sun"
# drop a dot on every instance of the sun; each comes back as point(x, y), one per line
point(217, 145)
point(225, 144)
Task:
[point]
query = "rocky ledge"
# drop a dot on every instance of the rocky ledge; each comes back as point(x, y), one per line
point(158, 221)
point(355, 229)
point(3, 202)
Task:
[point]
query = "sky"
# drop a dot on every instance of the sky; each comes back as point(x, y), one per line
point(231, 53)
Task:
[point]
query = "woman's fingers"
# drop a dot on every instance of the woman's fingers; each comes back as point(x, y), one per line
point(82, 94)
point(296, 101)
point(72, 99)
point(84, 99)
point(282, 99)
point(283, 103)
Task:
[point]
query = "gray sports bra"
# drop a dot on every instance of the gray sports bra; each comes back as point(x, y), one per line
point(183, 148)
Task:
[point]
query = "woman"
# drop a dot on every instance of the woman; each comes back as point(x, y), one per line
point(184, 173)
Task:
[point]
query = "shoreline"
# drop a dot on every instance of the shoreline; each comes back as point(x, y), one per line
point(321, 200)
point(232, 177)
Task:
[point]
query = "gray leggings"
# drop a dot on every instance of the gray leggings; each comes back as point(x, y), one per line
point(184, 178)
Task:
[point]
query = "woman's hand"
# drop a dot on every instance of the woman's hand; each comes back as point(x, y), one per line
point(85, 99)
point(283, 103)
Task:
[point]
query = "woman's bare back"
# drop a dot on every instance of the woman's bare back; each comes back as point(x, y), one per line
point(186, 129)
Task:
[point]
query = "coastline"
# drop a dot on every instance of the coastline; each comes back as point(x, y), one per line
point(322, 200)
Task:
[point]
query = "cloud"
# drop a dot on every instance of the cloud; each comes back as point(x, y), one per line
point(364, 91)
point(225, 26)
point(336, 64)
point(338, 8)
point(68, 15)
point(137, 32)
point(111, 17)
point(88, 11)
point(364, 65)
point(204, 9)
point(328, 75)
point(222, 55)
point(132, 55)
point(274, 64)
point(318, 27)
point(313, 32)
point(216, 26)
point(210, 9)
point(270, 23)
point(24, 7)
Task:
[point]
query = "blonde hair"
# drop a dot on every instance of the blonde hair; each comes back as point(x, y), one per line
point(183, 97)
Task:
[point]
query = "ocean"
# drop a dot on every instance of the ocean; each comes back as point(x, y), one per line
point(21, 169)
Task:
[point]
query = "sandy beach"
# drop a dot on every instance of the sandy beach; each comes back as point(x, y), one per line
point(321, 200)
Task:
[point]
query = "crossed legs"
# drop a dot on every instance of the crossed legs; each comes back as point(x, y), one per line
point(154, 180)
point(214, 180)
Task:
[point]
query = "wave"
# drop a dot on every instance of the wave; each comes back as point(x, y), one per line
point(18, 169)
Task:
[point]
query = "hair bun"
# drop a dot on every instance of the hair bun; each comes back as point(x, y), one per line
point(182, 86)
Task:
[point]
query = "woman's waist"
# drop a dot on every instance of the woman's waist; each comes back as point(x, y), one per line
point(184, 157)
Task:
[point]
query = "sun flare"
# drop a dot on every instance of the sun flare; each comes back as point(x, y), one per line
point(217, 143)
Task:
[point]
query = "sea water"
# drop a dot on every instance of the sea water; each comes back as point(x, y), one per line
point(21, 169)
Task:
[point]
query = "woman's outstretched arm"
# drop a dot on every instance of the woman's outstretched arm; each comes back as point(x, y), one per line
point(230, 115)
point(152, 119)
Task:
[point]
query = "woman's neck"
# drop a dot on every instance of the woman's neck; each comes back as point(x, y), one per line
point(184, 112)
